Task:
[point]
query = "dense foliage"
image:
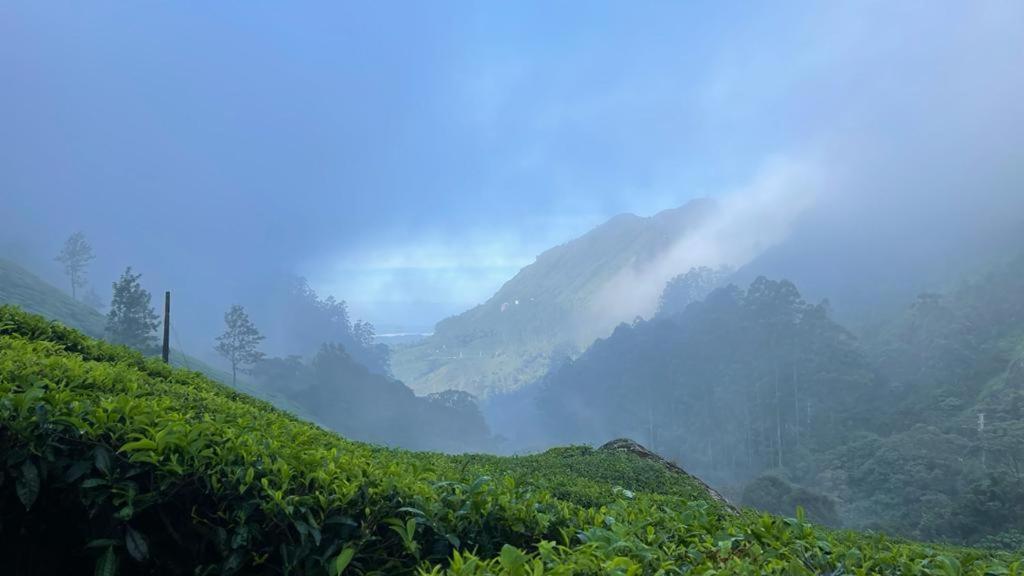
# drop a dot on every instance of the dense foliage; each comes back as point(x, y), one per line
point(692, 286)
point(745, 381)
point(949, 462)
point(111, 460)
point(915, 428)
point(347, 397)
point(774, 494)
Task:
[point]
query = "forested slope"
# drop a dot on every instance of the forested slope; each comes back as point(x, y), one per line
point(332, 387)
point(745, 381)
point(113, 461)
point(544, 312)
point(917, 428)
point(948, 462)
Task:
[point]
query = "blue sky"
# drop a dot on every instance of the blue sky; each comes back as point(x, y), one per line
point(411, 156)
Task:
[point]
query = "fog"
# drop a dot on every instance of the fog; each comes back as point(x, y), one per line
point(741, 225)
point(270, 143)
point(411, 159)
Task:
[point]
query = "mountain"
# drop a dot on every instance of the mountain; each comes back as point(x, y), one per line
point(114, 463)
point(915, 428)
point(947, 462)
point(545, 312)
point(745, 381)
point(870, 263)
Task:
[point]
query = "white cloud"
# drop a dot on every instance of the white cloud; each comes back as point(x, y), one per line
point(746, 222)
point(450, 273)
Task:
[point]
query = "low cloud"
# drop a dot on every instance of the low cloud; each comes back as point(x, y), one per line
point(744, 223)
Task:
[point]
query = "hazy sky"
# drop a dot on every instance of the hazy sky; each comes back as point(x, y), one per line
point(411, 156)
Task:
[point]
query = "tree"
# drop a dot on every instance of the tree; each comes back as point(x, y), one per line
point(131, 320)
point(364, 334)
point(75, 256)
point(307, 321)
point(239, 341)
point(693, 286)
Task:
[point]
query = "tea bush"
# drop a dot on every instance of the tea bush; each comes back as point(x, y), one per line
point(110, 462)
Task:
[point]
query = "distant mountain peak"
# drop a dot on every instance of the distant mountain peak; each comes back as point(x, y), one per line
point(546, 310)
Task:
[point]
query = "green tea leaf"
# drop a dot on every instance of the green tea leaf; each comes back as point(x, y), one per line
point(102, 460)
point(341, 561)
point(27, 485)
point(77, 470)
point(512, 559)
point(144, 444)
point(107, 564)
point(93, 482)
point(136, 544)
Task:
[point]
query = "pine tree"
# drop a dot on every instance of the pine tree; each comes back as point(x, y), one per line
point(131, 320)
point(75, 256)
point(239, 341)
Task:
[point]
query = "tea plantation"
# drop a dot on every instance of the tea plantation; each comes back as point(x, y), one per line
point(115, 463)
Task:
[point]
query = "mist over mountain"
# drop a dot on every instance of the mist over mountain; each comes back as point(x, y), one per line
point(781, 245)
point(904, 429)
point(579, 291)
point(544, 311)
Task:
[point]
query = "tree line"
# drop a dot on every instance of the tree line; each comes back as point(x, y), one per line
point(341, 379)
point(915, 427)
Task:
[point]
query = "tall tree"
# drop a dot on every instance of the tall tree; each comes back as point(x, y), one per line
point(132, 320)
point(239, 341)
point(75, 256)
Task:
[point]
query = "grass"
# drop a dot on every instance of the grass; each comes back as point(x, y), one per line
point(118, 462)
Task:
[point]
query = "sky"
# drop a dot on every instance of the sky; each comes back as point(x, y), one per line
point(409, 157)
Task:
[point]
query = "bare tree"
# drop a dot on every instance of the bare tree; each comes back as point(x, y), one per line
point(75, 256)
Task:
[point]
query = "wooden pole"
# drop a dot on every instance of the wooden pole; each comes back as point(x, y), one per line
point(167, 327)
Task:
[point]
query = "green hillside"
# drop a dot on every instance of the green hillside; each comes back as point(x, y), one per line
point(24, 289)
point(536, 316)
point(114, 461)
point(333, 392)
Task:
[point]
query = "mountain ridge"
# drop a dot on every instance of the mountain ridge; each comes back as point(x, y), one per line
point(541, 313)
